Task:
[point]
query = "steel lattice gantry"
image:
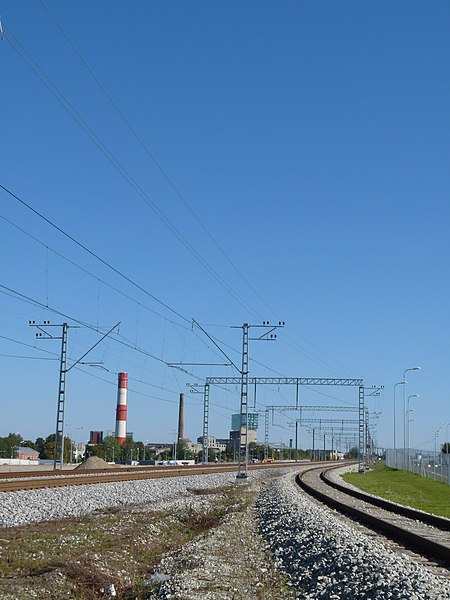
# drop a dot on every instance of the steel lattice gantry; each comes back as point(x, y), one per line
point(244, 381)
point(299, 409)
point(285, 381)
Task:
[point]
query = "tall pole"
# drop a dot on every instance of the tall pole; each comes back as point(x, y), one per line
point(181, 418)
point(395, 443)
point(59, 433)
point(205, 452)
point(63, 370)
point(243, 437)
point(404, 407)
point(313, 445)
point(408, 410)
point(243, 433)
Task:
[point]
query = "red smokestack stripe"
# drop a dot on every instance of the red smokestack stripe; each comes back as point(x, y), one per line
point(121, 413)
point(123, 380)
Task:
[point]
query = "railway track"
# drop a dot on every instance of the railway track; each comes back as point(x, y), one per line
point(19, 481)
point(426, 534)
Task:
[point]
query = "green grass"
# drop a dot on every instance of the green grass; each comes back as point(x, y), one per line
point(405, 488)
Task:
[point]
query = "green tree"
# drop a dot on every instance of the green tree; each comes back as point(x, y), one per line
point(352, 453)
point(109, 449)
point(39, 445)
point(29, 444)
point(10, 444)
point(49, 448)
point(183, 452)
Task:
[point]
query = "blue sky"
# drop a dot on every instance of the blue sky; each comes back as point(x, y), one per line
point(300, 172)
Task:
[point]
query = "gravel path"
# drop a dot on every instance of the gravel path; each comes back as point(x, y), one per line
point(230, 562)
point(325, 558)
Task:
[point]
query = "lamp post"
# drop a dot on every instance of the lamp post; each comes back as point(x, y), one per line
point(395, 444)
point(407, 424)
point(436, 431)
point(404, 405)
point(447, 450)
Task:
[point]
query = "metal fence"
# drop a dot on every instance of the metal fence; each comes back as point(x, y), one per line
point(433, 465)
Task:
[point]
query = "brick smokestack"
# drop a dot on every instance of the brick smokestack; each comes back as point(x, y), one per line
point(181, 418)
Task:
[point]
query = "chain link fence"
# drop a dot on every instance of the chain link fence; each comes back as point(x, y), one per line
point(433, 465)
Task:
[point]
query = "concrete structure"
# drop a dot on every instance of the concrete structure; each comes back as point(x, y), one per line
point(121, 411)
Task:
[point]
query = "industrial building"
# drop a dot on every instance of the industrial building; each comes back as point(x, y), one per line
point(213, 443)
point(252, 421)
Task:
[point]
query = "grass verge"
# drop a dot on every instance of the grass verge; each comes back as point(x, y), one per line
point(404, 487)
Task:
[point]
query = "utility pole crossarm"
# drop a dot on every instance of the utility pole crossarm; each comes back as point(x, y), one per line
point(215, 344)
point(63, 370)
point(92, 347)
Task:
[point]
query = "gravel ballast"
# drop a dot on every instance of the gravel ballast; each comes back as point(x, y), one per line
point(326, 558)
point(34, 506)
point(321, 555)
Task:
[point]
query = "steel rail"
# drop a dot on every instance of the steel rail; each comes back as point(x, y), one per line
point(86, 478)
point(434, 543)
point(406, 511)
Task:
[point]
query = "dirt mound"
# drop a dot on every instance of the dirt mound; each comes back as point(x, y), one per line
point(93, 462)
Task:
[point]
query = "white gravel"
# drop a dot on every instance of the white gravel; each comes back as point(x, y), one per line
point(325, 558)
point(33, 506)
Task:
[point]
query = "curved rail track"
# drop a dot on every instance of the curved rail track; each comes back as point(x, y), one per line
point(17, 481)
point(428, 534)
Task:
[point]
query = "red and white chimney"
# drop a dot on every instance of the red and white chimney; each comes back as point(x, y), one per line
point(121, 411)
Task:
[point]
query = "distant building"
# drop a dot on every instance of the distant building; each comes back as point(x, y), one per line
point(213, 443)
point(252, 421)
point(25, 453)
point(238, 439)
point(96, 437)
point(192, 446)
point(223, 441)
point(234, 437)
point(159, 447)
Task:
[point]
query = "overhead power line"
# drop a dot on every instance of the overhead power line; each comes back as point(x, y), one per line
point(93, 275)
point(106, 263)
point(147, 151)
point(93, 254)
point(121, 169)
point(62, 99)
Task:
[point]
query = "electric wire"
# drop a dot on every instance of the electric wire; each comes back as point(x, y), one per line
point(56, 357)
point(118, 338)
point(152, 157)
point(77, 117)
point(87, 272)
point(62, 99)
point(37, 240)
point(93, 254)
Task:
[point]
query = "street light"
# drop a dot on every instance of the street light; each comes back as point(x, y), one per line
point(395, 446)
point(407, 422)
point(436, 430)
point(404, 404)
